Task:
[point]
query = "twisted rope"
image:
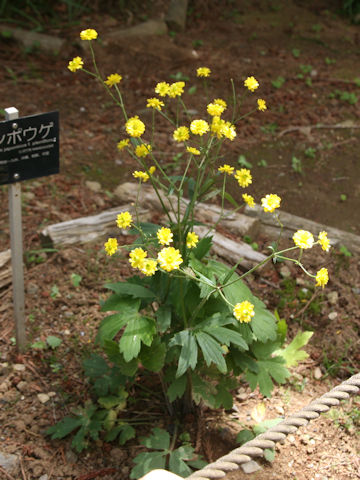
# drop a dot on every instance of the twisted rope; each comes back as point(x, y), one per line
point(256, 447)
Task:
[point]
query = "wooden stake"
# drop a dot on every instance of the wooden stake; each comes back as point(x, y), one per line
point(17, 249)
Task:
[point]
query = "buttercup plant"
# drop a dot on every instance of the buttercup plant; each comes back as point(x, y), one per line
point(184, 315)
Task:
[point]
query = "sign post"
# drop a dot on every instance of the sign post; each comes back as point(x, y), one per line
point(29, 148)
point(16, 247)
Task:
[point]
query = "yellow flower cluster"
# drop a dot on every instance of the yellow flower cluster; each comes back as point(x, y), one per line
point(75, 64)
point(165, 236)
point(154, 103)
point(171, 90)
point(251, 83)
point(169, 259)
point(113, 79)
point(88, 34)
point(244, 177)
point(111, 246)
point(303, 239)
point(203, 72)
point(261, 105)
point(181, 134)
point(222, 128)
point(124, 219)
point(193, 150)
point(143, 176)
point(142, 150)
point(270, 202)
point(324, 241)
point(226, 169)
point(322, 277)
point(138, 259)
point(215, 109)
point(244, 311)
point(199, 127)
point(191, 240)
point(135, 127)
point(249, 200)
point(123, 144)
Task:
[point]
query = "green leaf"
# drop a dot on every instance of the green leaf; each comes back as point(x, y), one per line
point(244, 436)
point(128, 432)
point(117, 302)
point(53, 342)
point(158, 440)
point(293, 354)
point(112, 324)
point(202, 248)
point(139, 329)
point(189, 351)
point(227, 336)
point(223, 398)
point(272, 367)
point(263, 426)
point(111, 349)
point(153, 357)
point(230, 199)
point(211, 350)
point(163, 318)
point(112, 401)
point(95, 366)
point(130, 289)
point(110, 420)
point(147, 461)
point(269, 454)
point(64, 427)
point(177, 464)
point(203, 391)
point(75, 279)
point(177, 388)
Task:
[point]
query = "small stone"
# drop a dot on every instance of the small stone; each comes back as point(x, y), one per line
point(291, 438)
point(118, 454)
point(19, 367)
point(280, 410)
point(93, 186)
point(32, 288)
point(70, 456)
point(44, 477)
point(43, 397)
point(285, 271)
point(317, 373)
point(22, 386)
point(333, 297)
point(67, 332)
point(9, 462)
point(332, 315)
point(52, 394)
point(4, 386)
point(241, 397)
point(68, 314)
point(250, 467)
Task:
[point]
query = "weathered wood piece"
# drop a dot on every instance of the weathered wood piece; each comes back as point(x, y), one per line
point(176, 15)
point(86, 229)
point(292, 223)
point(5, 268)
point(235, 223)
point(144, 29)
point(33, 39)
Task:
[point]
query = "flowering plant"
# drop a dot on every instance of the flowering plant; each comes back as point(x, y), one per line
point(184, 315)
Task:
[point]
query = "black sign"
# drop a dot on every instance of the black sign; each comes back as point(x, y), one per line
point(29, 147)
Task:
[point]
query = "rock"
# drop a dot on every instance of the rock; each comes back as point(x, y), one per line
point(118, 454)
point(32, 289)
point(250, 467)
point(317, 373)
point(44, 477)
point(176, 15)
point(280, 410)
point(28, 195)
point(333, 297)
point(93, 186)
point(9, 462)
point(70, 456)
point(43, 397)
point(285, 271)
point(332, 315)
point(19, 367)
point(22, 386)
point(33, 39)
point(291, 438)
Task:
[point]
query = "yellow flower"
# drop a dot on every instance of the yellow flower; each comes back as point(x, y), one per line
point(261, 105)
point(111, 246)
point(75, 64)
point(249, 200)
point(152, 169)
point(221, 128)
point(149, 267)
point(226, 169)
point(169, 259)
point(123, 220)
point(303, 239)
point(123, 144)
point(142, 175)
point(113, 79)
point(251, 83)
point(324, 241)
point(193, 150)
point(176, 89)
point(199, 127)
point(203, 72)
point(220, 101)
point(244, 311)
point(322, 277)
point(154, 103)
point(243, 176)
point(137, 257)
point(181, 134)
point(215, 109)
point(142, 150)
point(270, 202)
point(191, 240)
point(162, 89)
point(135, 127)
point(88, 34)
point(164, 236)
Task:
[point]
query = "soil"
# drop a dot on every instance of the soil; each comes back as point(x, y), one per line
point(268, 40)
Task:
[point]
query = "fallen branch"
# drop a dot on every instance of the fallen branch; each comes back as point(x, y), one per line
point(307, 128)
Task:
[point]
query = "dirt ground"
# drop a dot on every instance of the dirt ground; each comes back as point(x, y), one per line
point(314, 119)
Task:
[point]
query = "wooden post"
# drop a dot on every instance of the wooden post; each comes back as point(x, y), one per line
point(17, 248)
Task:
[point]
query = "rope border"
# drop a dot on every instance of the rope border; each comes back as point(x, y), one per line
point(255, 448)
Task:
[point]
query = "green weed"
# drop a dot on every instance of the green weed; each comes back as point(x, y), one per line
point(278, 82)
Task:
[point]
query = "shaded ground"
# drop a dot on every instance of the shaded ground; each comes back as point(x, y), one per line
point(267, 41)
